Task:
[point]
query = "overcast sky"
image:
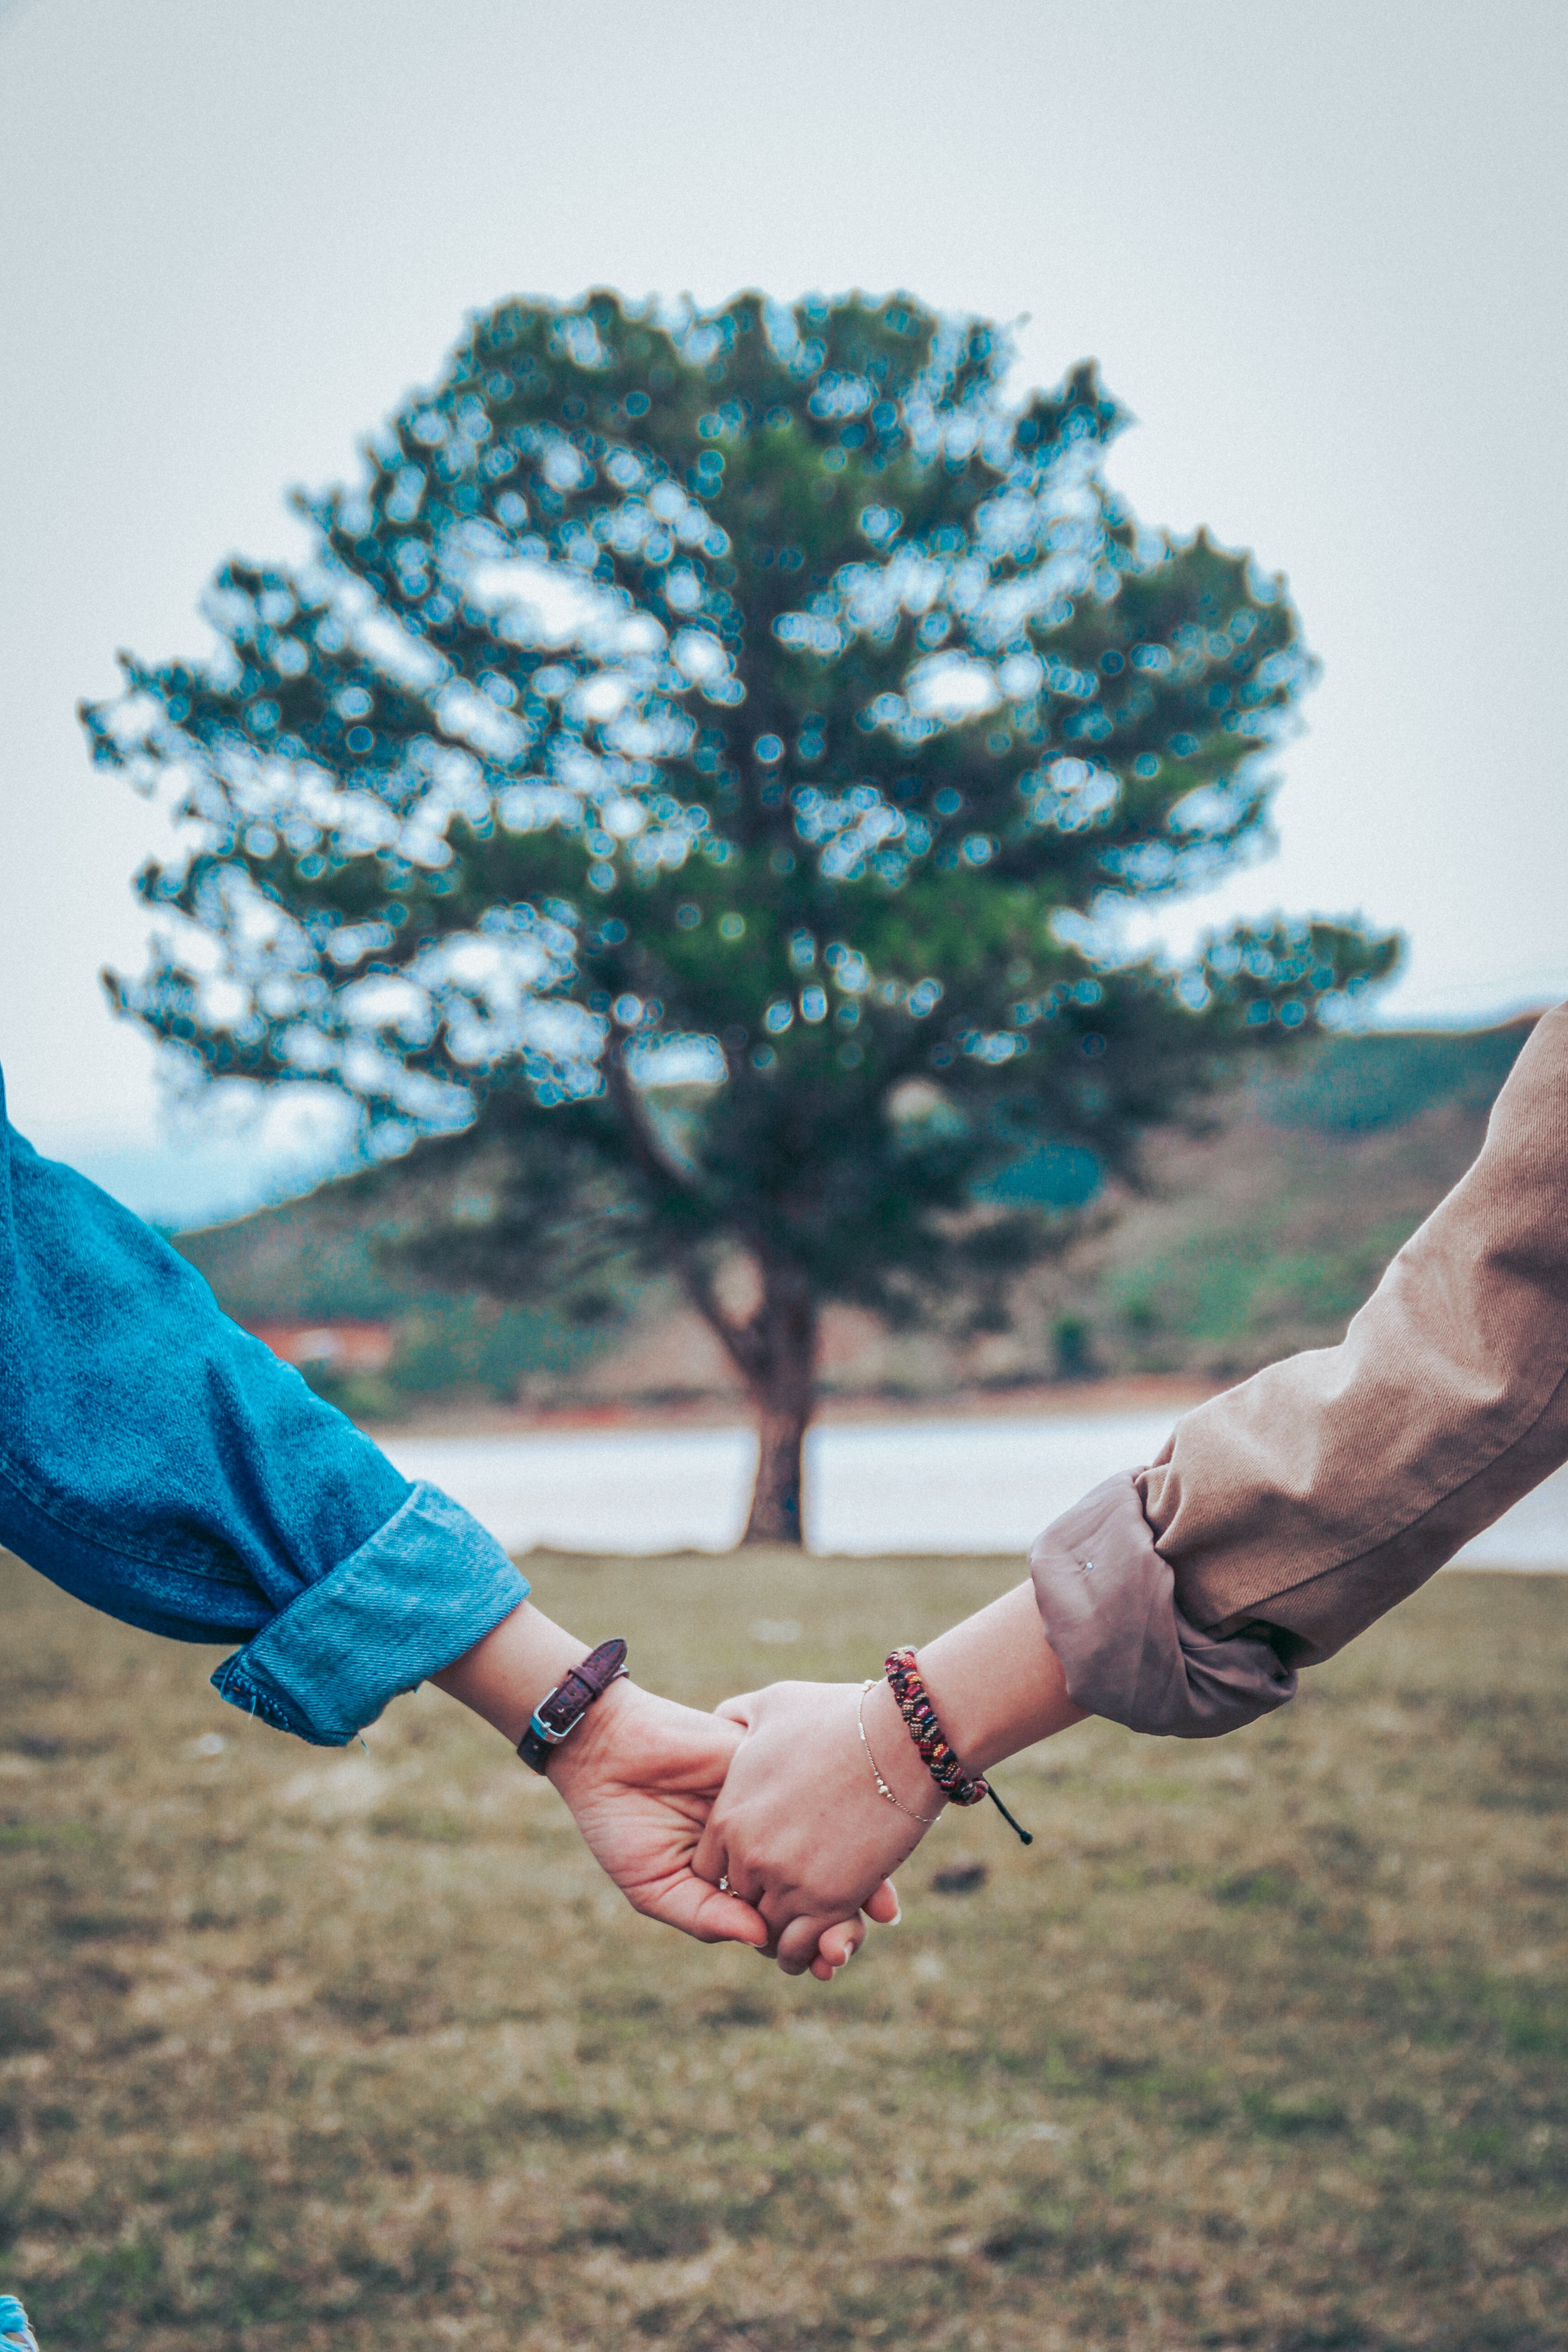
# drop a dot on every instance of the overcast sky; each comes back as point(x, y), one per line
point(1317, 249)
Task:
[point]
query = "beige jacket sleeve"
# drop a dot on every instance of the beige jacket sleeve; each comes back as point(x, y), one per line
point(1281, 1518)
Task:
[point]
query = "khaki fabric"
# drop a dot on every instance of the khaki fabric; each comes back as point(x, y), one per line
point(1282, 1517)
point(1108, 1603)
point(1320, 1493)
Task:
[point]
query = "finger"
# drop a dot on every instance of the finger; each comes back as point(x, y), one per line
point(824, 1969)
point(700, 1910)
point(709, 1860)
point(737, 1709)
point(702, 1763)
point(837, 1944)
point(711, 1863)
point(884, 1907)
point(708, 1855)
point(836, 1948)
point(798, 1943)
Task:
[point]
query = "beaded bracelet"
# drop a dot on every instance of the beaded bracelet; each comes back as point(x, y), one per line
point(931, 1740)
point(915, 1706)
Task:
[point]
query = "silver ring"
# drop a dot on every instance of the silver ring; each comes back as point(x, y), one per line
point(724, 1885)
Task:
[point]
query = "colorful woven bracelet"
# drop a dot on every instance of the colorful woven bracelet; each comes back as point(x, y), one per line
point(920, 1717)
point(915, 1706)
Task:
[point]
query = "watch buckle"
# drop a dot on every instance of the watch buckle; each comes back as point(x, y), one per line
point(551, 1737)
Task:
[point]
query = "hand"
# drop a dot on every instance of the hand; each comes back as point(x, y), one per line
point(639, 1776)
point(800, 1828)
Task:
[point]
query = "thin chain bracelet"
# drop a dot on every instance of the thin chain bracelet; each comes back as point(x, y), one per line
point(929, 1820)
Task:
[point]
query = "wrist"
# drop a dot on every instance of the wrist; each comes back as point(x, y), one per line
point(995, 1683)
point(516, 1666)
point(895, 1755)
point(586, 1754)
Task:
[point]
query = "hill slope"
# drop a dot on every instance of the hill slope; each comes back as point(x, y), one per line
point(1268, 1236)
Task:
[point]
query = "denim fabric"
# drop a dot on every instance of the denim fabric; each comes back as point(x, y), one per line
point(164, 1466)
point(419, 1593)
point(13, 2328)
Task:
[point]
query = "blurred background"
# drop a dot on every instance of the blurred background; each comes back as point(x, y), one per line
point(1313, 252)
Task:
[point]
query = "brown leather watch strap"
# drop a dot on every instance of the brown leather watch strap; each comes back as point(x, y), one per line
point(559, 1714)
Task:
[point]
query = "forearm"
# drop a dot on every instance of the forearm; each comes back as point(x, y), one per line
point(995, 1683)
point(1284, 1516)
point(997, 1686)
point(504, 1676)
point(153, 1457)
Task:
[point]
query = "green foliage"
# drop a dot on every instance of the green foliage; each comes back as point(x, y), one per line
point(1071, 1337)
point(683, 781)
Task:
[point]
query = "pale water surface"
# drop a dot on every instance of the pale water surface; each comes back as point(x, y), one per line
point(872, 1487)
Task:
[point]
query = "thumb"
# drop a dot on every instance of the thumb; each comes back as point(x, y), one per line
point(884, 1907)
point(713, 1917)
point(737, 1922)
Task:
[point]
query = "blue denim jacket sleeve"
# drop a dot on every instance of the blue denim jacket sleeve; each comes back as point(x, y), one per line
point(164, 1466)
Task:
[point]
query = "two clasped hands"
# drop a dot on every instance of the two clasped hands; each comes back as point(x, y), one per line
point(778, 1820)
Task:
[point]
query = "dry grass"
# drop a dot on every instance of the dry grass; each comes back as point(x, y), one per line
point(1263, 2045)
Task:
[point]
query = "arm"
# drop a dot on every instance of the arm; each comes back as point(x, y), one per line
point(163, 1466)
point(166, 1468)
point(1280, 1519)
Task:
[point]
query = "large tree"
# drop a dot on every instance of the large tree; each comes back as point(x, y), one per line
point(686, 781)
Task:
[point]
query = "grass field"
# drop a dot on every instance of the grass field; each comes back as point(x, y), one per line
point(1264, 2044)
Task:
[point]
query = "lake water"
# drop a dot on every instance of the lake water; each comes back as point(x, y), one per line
point(964, 1486)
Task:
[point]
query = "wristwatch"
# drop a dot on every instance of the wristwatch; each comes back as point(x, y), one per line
point(557, 1716)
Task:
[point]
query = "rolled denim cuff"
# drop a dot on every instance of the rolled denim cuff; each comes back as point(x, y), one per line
point(1107, 1603)
point(424, 1588)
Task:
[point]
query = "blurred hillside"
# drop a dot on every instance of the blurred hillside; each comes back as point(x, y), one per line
point(1265, 1237)
point(1249, 1243)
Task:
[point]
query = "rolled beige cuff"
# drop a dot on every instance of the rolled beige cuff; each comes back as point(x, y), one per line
point(1325, 1489)
point(1107, 1603)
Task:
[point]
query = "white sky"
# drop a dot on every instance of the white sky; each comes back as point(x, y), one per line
point(1317, 249)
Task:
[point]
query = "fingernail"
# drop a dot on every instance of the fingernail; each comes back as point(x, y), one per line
point(899, 1911)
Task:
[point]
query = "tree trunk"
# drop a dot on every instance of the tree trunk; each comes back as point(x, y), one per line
point(775, 1351)
point(782, 1376)
point(775, 1497)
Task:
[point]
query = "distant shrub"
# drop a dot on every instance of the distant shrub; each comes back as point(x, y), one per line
point(1071, 1339)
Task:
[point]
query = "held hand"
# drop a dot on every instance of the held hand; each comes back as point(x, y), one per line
point(800, 1827)
point(639, 1776)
